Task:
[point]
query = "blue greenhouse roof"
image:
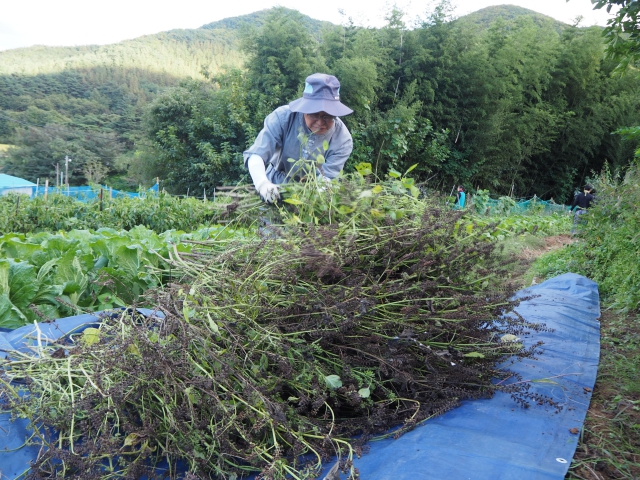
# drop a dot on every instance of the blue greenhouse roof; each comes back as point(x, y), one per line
point(11, 181)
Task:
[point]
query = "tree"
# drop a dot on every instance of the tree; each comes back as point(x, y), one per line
point(39, 149)
point(94, 171)
point(199, 132)
point(622, 33)
point(281, 54)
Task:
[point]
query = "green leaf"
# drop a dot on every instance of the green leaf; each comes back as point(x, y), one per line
point(474, 355)
point(18, 248)
point(109, 299)
point(70, 273)
point(394, 173)
point(133, 349)
point(127, 260)
point(194, 395)
point(411, 168)
point(293, 201)
point(364, 392)
point(131, 439)
point(90, 336)
point(264, 362)
point(407, 182)
point(19, 281)
point(507, 338)
point(46, 269)
point(544, 380)
point(187, 312)
point(333, 381)
point(345, 210)
point(10, 316)
point(102, 261)
point(364, 168)
point(213, 325)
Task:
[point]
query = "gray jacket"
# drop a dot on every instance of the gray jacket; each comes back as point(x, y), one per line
point(280, 140)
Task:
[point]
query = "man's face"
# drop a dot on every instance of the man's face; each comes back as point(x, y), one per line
point(319, 122)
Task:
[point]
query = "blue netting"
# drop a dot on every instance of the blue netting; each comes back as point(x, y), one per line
point(80, 193)
point(506, 205)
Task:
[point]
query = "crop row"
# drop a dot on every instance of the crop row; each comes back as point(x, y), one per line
point(47, 276)
point(162, 212)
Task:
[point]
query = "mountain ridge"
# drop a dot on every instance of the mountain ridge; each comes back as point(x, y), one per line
point(482, 17)
point(487, 15)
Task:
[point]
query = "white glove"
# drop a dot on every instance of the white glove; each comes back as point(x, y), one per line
point(268, 191)
point(323, 183)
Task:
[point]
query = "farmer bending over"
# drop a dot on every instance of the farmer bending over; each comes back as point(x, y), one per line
point(299, 131)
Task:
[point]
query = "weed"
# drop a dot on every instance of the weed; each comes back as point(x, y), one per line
point(610, 443)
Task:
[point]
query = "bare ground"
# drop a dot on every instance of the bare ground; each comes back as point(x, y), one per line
point(549, 244)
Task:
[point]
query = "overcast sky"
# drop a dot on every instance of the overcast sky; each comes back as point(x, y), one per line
point(24, 23)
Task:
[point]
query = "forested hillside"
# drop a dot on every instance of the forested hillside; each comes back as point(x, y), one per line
point(257, 20)
point(504, 99)
point(486, 16)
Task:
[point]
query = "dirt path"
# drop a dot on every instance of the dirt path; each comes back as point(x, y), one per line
point(529, 251)
point(548, 244)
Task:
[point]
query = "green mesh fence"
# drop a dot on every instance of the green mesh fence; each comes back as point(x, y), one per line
point(507, 205)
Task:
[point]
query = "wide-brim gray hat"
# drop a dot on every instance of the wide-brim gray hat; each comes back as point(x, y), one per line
point(321, 94)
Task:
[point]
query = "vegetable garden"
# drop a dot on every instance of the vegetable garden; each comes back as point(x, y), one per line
point(282, 337)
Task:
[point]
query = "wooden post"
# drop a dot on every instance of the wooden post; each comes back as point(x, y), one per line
point(110, 193)
point(46, 189)
point(37, 185)
point(66, 170)
point(204, 194)
point(187, 192)
point(101, 198)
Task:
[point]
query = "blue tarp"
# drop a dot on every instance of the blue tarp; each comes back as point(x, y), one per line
point(496, 439)
point(483, 439)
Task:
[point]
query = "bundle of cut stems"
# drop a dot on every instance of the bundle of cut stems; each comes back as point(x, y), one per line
point(274, 355)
